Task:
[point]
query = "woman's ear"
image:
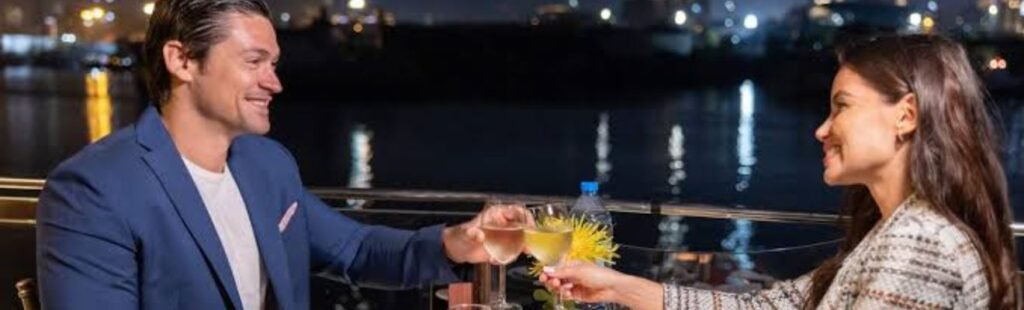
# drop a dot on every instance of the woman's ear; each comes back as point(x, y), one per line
point(906, 122)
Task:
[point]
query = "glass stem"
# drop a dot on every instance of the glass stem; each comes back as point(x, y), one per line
point(558, 295)
point(558, 299)
point(501, 284)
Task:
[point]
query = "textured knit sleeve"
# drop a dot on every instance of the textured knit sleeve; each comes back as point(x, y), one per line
point(916, 270)
point(782, 295)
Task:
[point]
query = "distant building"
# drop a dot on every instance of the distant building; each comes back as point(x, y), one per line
point(648, 13)
point(1008, 19)
point(25, 17)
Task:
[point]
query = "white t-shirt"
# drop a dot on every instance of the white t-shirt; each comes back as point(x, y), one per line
point(231, 220)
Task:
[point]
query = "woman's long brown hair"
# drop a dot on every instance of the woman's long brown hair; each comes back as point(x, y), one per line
point(953, 161)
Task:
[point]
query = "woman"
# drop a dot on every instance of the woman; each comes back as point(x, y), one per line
point(910, 135)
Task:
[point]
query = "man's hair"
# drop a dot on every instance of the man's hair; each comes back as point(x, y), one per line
point(197, 24)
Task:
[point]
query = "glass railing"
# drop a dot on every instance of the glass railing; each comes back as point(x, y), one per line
point(696, 245)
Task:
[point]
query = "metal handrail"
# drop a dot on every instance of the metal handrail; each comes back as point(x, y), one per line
point(17, 221)
point(21, 184)
point(622, 206)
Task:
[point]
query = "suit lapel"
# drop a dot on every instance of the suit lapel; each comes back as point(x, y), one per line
point(263, 213)
point(166, 163)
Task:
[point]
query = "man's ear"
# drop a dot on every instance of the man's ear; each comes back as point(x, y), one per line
point(177, 62)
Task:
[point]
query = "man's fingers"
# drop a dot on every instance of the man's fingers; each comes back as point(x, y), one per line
point(475, 234)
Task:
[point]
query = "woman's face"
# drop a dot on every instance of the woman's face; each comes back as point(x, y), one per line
point(859, 137)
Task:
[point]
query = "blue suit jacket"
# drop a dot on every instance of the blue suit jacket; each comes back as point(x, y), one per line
point(121, 225)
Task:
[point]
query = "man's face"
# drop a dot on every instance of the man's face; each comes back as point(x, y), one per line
point(236, 81)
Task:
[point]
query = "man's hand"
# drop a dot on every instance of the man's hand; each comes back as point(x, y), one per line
point(464, 243)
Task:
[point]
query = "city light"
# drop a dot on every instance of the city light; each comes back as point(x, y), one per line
point(606, 14)
point(729, 23)
point(389, 19)
point(148, 8)
point(357, 4)
point(837, 19)
point(730, 5)
point(574, 3)
point(750, 22)
point(997, 63)
point(928, 23)
point(993, 10)
point(914, 19)
point(696, 8)
point(680, 18)
point(818, 12)
point(933, 6)
point(285, 17)
point(822, 2)
point(339, 19)
point(96, 14)
point(68, 38)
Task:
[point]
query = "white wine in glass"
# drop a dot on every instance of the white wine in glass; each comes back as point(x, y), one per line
point(549, 243)
point(549, 237)
point(503, 223)
point(503, 243)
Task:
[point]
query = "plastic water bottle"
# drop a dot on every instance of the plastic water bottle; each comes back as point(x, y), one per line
point(589, 207)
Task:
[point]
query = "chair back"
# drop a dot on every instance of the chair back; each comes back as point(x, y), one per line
point(27, 294)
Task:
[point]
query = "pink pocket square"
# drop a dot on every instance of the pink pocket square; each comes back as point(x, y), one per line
point(287, 217)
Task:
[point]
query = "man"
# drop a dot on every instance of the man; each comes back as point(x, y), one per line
point(190, 208)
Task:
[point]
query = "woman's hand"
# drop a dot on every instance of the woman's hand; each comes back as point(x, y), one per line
point(584, 282)
point(587, 282)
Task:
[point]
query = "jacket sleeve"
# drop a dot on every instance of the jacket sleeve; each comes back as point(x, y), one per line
point(375, 255)
point(782, 295)
point(85, 252)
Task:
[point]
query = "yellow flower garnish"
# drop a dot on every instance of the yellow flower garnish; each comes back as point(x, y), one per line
point(591, 242)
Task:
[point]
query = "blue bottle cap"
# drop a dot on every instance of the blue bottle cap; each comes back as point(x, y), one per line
point(588, 187)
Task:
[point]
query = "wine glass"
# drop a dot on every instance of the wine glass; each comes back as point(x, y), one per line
point(502, 224)
point(549, 237)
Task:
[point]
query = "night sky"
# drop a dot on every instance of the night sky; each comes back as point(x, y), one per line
point(520, 10)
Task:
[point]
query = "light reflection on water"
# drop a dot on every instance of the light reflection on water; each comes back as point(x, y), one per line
point(739, 145)
point(739, 240)
point(676, 166)
point(47, 115)
point(745, 137)
point(603, 147)
point(98, 108)
point(360, 173)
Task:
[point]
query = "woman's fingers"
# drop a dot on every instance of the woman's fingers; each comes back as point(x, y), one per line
point(568, 271)
point(550, 283)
